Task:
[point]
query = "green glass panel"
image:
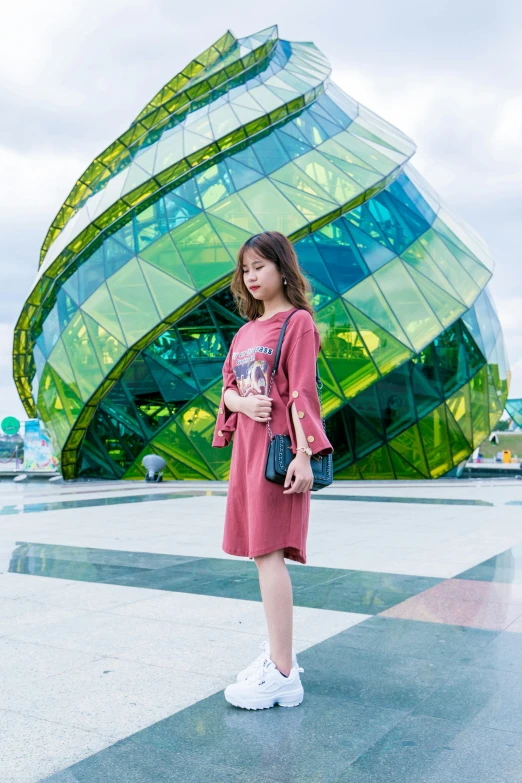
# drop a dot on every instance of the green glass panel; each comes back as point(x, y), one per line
point(343, 349)
point(425, 383)
point(165, 256)
point(82, 357)
point(214, 184)
point(403, 470)
point(350, 473)
point(368, 298)
point(133, 302)
point(341, 155)
point(460, 406)
point(231, 236)
point(172, 440)
point(377, 465)
point(202, 251)
point(474, 356)
point(101, 307)
point(479, 406)
point(292, 176)
point(495, 400)
point(408, 304)
point(309, 206)
point(364, 151)
point(61, 364)
point(57, 422)
point(367, 408)
point(364, 438)
point(271, 209)
point(168, 294)
point(434, 433)
point(460, 448)
point(338, 184)
point(70, 398)
point(233, 210)
point(397, 401)
point(108, 348)
point(409, 445)
point(449, 266)
point(479, 273)
point(364, 178)
point(417, 257)
point(387, 352)
point(443, 305)
point(198, 423)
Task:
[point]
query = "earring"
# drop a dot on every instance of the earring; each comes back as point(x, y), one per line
point(285, 281)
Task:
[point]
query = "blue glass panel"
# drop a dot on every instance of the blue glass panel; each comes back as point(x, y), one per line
point(248, 158)
point(293, 147)
point(391, 223)
point(66, 309)
point(271, 153)
point(50, 333)
point(178, 210)
point(335, 111)
point(311, 261)
point(405, 191)
point(374, 253)
point(412, 218)
point(148, 224)
point(341, 255)
point(241, 175)
point(116, 254)
point(90, 274)
point(470, 320)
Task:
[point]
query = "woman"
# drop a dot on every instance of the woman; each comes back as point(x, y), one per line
point(266, 521)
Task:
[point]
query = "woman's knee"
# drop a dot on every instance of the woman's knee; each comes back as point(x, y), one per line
point(261, 560)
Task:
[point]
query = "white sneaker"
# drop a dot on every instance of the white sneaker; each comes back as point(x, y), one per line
point(265, 687)
point(265, 655)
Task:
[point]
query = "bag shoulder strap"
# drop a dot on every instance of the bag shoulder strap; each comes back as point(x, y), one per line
point(280, 343)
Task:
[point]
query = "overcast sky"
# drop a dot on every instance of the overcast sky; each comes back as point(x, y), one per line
point(73, 75)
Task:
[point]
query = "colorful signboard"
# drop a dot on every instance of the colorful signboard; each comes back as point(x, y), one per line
point(38, 451)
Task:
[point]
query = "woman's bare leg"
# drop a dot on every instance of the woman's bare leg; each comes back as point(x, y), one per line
point(276, 592)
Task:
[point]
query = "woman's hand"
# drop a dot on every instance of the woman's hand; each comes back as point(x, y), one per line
point(257, 406)
point(301, 470)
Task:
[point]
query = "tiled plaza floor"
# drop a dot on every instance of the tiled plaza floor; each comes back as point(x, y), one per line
point(122, 621)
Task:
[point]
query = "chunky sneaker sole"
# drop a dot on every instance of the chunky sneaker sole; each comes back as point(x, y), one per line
point(265, 655)
point(266, 688)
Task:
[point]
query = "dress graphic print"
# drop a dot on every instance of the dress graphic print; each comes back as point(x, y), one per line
point(259, 518)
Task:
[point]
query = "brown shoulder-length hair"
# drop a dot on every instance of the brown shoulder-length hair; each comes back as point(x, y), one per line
point(277, 248)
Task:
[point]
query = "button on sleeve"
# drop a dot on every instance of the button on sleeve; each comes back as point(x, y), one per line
point(300, 368)
point(226, 420)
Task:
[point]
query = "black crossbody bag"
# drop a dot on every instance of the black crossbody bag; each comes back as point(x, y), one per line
point(280, 452)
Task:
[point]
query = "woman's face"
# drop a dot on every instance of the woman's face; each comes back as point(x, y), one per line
point(261, 276)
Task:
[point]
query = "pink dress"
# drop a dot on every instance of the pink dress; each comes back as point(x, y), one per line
point(259, 518)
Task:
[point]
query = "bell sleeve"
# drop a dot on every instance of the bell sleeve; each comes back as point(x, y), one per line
point(226, 421)
point(302, 389)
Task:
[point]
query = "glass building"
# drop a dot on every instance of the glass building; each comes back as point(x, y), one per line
point(514, 408)
point(120, 344)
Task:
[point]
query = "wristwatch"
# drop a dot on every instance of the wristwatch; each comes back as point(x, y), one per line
point(305, 449)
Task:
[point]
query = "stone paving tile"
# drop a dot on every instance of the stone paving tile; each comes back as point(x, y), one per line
point(476, 697)
point(427, 750)
point(435, 607)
